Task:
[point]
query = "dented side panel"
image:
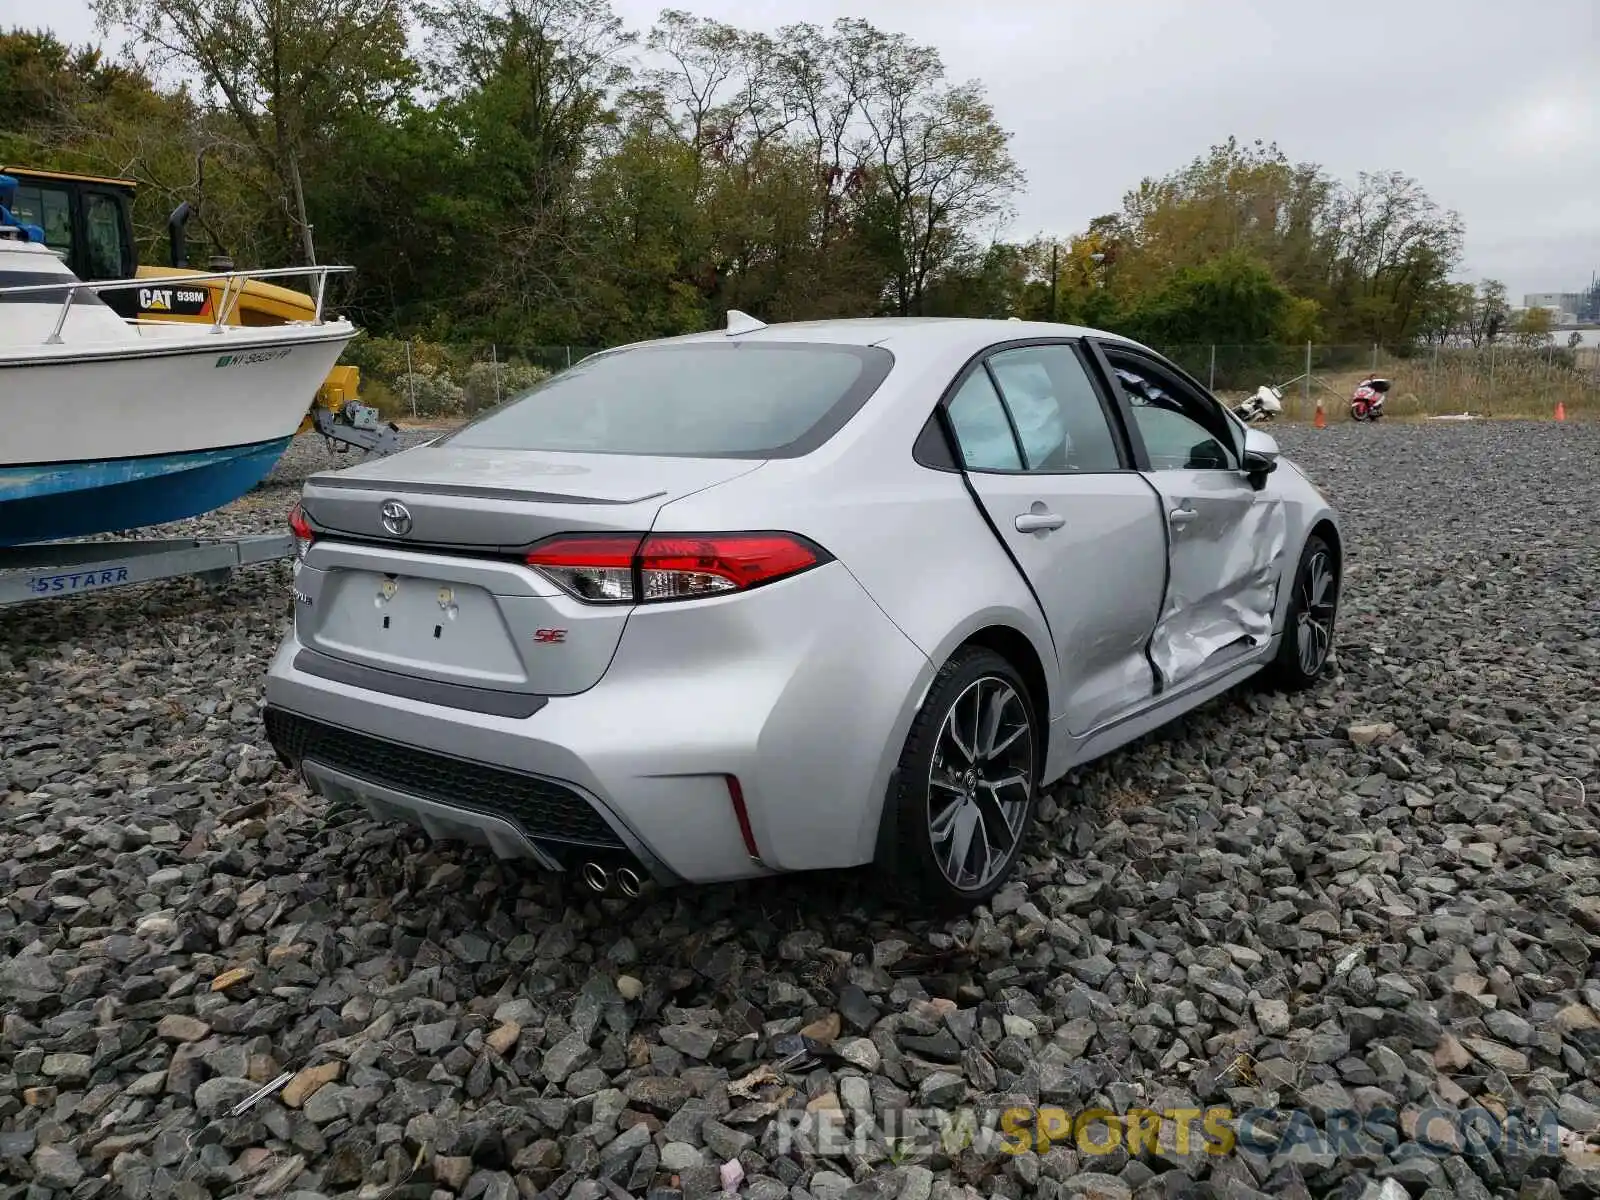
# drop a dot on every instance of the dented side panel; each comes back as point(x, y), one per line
point(1227, 548)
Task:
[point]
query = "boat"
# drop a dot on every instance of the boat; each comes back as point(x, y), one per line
point(109, 424)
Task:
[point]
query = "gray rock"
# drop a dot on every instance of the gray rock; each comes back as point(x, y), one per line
point(695, 1041)
point(1272, 1016)
point(942, 1089)
point(1096, 1185)
point(56, 1166)
point(680, 1156)
point(28, 976)
point(724, 1142)
point(566, 1056)
point(66, 1068)
point(1254, 903)
point(216, 1096)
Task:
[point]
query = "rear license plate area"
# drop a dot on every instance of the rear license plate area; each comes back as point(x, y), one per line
point(434, 626)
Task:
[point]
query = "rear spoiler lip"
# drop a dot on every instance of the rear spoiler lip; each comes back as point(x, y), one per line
point(471, 491)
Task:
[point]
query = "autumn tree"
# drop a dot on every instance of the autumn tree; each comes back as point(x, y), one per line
point(907, 167)
point(1371, 261)
point(1486, 317)
point(1392, 248)
point(1533, 329)
point(287, 75)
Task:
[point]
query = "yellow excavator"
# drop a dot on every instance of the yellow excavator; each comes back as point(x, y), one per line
point(88, 220)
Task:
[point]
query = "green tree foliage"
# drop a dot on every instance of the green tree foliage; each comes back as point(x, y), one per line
point(1369, 262)
point(1232, 299)
point(533, 172)
point(288, 76)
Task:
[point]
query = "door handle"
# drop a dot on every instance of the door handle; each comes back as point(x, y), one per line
point(1035, 522)
point(1181, 517)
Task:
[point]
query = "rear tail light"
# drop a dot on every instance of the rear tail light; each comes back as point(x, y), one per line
point(597, 569)
point(628, 569)
point(304, 535)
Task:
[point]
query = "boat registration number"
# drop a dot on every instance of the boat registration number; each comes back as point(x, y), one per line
point(252, 358)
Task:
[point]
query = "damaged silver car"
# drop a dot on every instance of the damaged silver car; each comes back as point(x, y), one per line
point(782, 598)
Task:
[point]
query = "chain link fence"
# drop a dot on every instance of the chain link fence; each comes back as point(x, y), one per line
point(431, 381)
point(423, 380)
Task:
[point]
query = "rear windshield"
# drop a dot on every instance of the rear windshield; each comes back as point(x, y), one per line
point(699, 399)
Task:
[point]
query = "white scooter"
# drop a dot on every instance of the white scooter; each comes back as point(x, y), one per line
point(1266, 404)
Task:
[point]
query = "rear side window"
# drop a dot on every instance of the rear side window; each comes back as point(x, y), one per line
point(695, 400)
point(981, 428)
point(1059, 418)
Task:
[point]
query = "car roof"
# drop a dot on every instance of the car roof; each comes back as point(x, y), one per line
point(898, 334)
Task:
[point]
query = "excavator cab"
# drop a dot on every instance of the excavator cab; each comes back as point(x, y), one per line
point(87, 220)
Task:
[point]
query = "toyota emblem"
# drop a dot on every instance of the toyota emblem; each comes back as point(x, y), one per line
point(396, 518)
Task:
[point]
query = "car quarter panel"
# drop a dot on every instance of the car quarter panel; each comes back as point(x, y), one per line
point(912, 536)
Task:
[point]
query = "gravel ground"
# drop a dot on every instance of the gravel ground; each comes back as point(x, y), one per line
point(1381, 897)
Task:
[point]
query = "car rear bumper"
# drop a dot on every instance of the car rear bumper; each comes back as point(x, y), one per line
point(801, 691)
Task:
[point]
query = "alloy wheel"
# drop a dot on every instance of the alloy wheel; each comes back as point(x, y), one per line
point(979, 783)
point(1317, 599)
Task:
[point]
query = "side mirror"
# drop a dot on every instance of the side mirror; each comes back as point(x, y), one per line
point(1261, 444)
point(1260, 454)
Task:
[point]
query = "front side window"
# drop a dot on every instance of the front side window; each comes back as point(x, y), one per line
point(1171, 421)
point(697, 400)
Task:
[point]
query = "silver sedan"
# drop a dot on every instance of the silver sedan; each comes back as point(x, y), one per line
point(781, 598)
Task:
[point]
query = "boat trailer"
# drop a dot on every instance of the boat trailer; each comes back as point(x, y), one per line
point(55, 570)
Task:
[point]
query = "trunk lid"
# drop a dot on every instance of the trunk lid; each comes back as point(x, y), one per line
point(440, 593)
point(502, 500)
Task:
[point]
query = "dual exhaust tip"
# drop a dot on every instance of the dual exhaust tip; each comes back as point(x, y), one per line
point(600, 880)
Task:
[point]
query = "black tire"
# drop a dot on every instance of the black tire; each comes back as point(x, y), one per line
point(1313, 614)
point(967, 801)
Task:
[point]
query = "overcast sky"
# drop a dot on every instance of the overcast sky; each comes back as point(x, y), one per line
point(1494, 106)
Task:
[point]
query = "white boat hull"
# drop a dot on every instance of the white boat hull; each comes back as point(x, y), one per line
point(108, 425)
point(163, 395)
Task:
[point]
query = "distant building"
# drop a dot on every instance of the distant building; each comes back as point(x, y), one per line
point(1566, 302)
point(1568, 308)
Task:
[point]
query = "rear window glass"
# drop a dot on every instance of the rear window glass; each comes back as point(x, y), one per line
point(700, 400)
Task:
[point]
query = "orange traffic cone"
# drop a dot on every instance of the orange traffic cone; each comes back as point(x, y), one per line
point(1321, 421)
point(1561, 410)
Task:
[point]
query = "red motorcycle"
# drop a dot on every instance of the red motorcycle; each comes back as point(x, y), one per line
point(1366, 402)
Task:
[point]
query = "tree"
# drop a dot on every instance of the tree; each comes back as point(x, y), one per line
point(1232, 300)
point(1445, 313)
point(1533, 328)
point(287, 74)
point(519, 179)
point(1487, 316)
point(905, 167)
point(1234, 198)
point(1369, 261)
point(940, 163)
point(1393, 248)
point(67, 108)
